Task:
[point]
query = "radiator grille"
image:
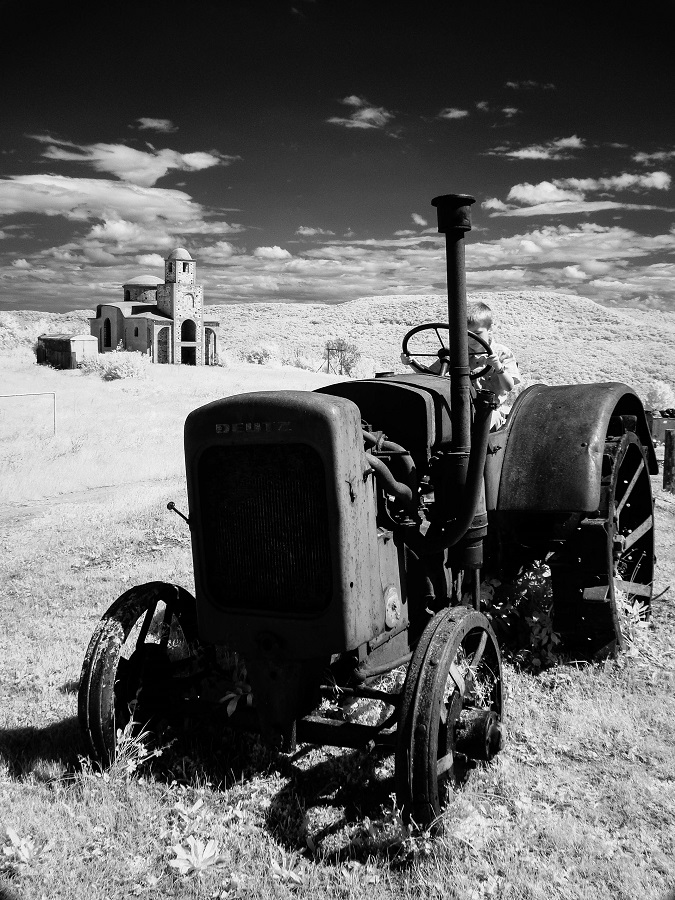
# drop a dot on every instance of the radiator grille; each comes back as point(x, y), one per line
point(264, 527)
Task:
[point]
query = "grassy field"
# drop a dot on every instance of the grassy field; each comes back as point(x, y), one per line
point(578, 805)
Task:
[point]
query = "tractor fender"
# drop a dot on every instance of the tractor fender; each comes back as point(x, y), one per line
point(554, 442)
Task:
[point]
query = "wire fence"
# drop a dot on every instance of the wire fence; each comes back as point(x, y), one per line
point(51, 394)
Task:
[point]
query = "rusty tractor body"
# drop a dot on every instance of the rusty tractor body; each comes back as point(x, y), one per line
point(337, 534)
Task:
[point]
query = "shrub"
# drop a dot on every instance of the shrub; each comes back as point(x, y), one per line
point(345, 355)
point(521, 613)
point(116, 365)
point(259, 355)
point(660, 396)
point(299, 361)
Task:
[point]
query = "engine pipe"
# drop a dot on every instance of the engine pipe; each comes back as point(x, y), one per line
point(402, 492)
point(439, 535)
point(454, 220)
point(401, 458)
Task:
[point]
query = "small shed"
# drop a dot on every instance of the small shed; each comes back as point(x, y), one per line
point(659, 425)
point(65, 351)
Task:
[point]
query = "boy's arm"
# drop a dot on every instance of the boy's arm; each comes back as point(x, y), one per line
point(504, 368)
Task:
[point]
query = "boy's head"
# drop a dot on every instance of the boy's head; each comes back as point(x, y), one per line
point(479, 320)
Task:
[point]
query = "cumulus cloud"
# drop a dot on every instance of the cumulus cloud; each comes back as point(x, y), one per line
point(79, 199)
point(21, 264)
point(145, 123)
point(510, 111)
point(419, 220)
point(271, 253)
point(659, 181)
point(452, 112)
point(658, 156)
point(560, 148)
point(587, 259)
point(151, 260)
point(128, 164)
point(483, 106)
point(569, 195)
point(305, 231)
point(544, 192)
point(494, 203)
point(364, 116)
point(220, 252)
point(574, 273)
point(529, 85)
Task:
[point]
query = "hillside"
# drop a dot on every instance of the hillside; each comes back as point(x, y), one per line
point(556, 337)
point(22, 327)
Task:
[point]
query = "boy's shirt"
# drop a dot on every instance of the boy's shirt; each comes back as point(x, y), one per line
point(490, 381)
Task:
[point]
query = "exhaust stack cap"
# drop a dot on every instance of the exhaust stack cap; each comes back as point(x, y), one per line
point(453, 212)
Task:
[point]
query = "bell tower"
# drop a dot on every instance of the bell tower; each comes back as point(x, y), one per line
point(181, 298)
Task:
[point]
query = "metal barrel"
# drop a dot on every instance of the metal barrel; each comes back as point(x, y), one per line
point(454, 220)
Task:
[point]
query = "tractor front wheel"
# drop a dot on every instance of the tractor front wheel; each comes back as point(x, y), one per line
point(451, 711)
point(138, 661)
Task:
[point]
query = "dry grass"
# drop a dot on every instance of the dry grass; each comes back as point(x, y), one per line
point(578, 805)
point(118, 433)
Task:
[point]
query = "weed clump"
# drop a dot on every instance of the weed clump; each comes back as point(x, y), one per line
point(117, 365)
point(521, 614)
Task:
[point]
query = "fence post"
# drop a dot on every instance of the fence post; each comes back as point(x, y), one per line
point(669, 461)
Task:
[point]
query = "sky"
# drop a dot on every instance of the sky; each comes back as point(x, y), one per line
point(293, 147)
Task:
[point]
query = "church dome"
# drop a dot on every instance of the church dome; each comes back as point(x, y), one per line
point(179, 253)
point(143, 281)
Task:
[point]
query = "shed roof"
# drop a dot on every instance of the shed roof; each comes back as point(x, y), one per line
point(67, 337)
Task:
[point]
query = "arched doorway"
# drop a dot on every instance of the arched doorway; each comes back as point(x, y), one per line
point(163, 345)
point(209, 347)
point(188, 331)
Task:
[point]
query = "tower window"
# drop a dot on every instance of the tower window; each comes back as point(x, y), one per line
point(127, 295)
point(135, 332)
point(186, 267)
point(170, 267)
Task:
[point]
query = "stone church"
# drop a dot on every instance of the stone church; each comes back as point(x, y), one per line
point(164, 319)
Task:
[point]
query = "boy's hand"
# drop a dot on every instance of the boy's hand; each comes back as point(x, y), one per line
point(494, 361)
point(405, 359)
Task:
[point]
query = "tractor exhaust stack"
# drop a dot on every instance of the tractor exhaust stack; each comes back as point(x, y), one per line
point(454, 219)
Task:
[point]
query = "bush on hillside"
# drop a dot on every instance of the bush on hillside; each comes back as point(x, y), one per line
point(260, 356)
point(660, 396)
point(299, 360)
point(117, 365)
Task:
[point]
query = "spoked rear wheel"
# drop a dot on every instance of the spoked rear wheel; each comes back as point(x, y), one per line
point(452, 710)
point(606, 570)
point(138, 660)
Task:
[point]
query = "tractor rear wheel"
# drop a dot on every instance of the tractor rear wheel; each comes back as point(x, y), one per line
point(451, 711)
point(605, 572)
point(136, 663)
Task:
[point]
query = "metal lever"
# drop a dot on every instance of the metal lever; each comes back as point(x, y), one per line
point(172, 506)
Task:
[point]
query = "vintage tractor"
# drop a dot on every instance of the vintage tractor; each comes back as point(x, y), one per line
point(337, 534)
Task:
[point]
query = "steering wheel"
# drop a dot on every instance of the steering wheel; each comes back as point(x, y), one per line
point(443, 353)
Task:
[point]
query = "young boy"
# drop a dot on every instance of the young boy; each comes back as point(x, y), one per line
point(503, 372)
